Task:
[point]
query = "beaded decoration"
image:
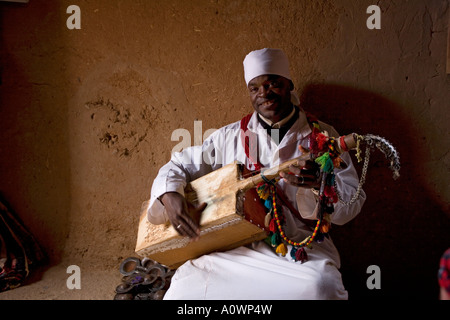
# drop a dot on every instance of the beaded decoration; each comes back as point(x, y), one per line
point(324, 152)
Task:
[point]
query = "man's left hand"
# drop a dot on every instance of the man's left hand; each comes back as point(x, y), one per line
point(304, 176)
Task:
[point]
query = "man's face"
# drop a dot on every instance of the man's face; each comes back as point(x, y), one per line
point(271, 96)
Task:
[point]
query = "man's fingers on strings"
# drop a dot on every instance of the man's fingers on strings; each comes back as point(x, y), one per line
point(185, 229)
point(187, 226)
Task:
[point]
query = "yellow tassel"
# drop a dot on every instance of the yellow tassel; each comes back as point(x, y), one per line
point(337, 162)
point(324, 226)
point(263, 193)
point(282, 249)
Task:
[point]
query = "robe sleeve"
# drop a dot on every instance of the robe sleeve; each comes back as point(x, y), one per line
point(347, 183)
point(182, 168)
point(188, 165)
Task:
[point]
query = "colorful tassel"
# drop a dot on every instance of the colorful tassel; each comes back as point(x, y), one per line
point(324, 226)
point(300, 255)
point(268, 203)
point(329, 165)
point(325, 162)
point(263, 192)
point(292, 253)
point(275, 240)
point(281, 249)
point(337, 162)
point(322, 159)
point(330, 193)
point(322, 141)
point(313, 140)
point(272, 226)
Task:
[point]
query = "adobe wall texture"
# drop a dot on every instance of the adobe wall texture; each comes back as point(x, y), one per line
point(87, 117)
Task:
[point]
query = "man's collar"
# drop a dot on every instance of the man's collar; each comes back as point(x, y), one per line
point(298, 130)
point(280, 123)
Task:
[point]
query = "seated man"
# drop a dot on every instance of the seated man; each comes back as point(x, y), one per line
point(283, 132)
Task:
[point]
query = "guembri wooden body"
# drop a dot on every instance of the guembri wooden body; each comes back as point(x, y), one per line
point(223, 223)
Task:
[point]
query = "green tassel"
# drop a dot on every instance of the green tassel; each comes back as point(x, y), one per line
point(325, 162)
point(275, 239)
point(322, 159)
point(329, 165)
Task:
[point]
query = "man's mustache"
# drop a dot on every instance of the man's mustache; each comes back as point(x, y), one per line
point(270, 97)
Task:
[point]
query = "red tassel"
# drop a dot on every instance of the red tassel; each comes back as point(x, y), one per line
point(300, 255)
point(313, 141)
point(322, 141)
point(272, 225)
point(330, 193)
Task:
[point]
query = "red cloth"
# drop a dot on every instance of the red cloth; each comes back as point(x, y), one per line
point(444, 271)
point(249, 142)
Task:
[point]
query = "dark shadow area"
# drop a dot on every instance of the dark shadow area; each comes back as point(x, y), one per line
point(402, 228)
point(34, 146)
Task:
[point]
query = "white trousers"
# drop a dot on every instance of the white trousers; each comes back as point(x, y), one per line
point(257, 273)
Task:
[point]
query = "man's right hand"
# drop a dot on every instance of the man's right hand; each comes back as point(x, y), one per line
point(181, 214)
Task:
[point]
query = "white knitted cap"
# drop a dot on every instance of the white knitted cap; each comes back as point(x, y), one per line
point(266, 61)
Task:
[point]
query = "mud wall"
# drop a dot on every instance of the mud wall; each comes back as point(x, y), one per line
point(87, 115)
